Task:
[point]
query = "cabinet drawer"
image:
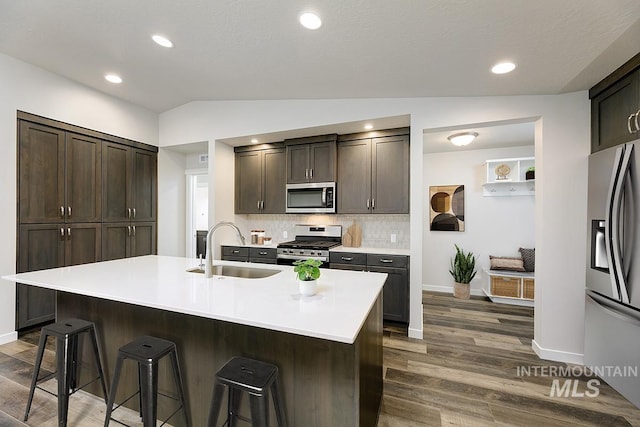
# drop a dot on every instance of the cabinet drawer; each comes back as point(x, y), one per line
point(262, 254)
point(505, 286)
point(235, 251)
point(528, 288)
point(381, 260)
point(348, 258)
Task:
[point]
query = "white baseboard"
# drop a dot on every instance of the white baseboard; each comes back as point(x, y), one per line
point(557, 356)
point(7, 338)
point(416, 333)
point(448, 289)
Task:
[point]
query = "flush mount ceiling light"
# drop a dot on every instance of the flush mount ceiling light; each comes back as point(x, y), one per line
point(162, 41)
point(462, 138)
point(310, 20)
point(503, 68)
point(113, 78)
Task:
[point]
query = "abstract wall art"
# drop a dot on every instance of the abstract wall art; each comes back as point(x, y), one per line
point(446, 207)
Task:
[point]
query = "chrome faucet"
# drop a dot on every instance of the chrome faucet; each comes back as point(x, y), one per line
point(208, 267)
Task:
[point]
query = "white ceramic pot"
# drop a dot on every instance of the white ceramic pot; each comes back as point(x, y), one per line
point(308, 287)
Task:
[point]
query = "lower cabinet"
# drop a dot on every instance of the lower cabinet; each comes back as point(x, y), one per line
point(395, 294)
point(249, 254)
point(124, 240)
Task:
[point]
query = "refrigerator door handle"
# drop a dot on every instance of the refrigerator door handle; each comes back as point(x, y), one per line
point(613, 224)
point(614, 308)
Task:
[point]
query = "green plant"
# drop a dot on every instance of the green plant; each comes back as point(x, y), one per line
point(307, 269)
point(463, 266)
point(531, 169)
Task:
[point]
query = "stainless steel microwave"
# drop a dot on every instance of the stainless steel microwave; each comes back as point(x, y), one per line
point(313, 197)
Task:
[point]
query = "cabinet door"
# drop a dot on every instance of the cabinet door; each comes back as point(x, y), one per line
point(144, 185)
point(116, 193)
point(390, 175)
point(40, 173)
point(143, 238)
point(83, 243)
point(115, 241)
point(297, 163)
point(248, 182)
point(354, 176)
point(395, 294)
point(610, 111)
point(322, 161)
point(274, 182)
point(83, 179)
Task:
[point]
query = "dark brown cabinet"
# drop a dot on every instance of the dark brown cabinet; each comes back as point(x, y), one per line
point(249, 254)
point(124, 240)
point(71, 179)
point(59, 175)
point(260, 179)
point(130, 183)
point(395, 294)
point(373, 174)
point(311, 159)
point(615, 107)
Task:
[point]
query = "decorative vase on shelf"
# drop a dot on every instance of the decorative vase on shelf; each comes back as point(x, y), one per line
point(528, 175)
point(308, 287)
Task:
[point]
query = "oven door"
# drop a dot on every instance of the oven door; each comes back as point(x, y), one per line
point(318, 197)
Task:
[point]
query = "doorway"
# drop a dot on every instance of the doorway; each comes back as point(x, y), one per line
point(197, 212)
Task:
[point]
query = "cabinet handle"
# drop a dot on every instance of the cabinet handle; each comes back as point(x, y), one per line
point(62, 233)
point(367, 203)
point(134, 231)
point(262, 205)
point(61, 211)
point(636, 121)
point(235, 251)
point(134, 213)
point(262, 253)
point(306, 173)
point(129, 230)
point(69, 232)
point(373, 203)
point(386, 261)
point(346, 258)
point(69, 211)
point(311, 173)
point(629, 123)
point(129, 213)
point(258, 205)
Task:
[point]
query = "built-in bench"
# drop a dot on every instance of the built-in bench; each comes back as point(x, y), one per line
point(510, 287)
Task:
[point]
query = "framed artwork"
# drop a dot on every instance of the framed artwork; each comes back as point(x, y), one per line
point(446, 207)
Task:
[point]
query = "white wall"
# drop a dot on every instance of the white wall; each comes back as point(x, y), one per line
point(561, 149)
point(171, 202)
point(28, 88)
point(493, 225)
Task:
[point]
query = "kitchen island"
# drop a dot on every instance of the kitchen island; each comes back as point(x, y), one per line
point(328, 347)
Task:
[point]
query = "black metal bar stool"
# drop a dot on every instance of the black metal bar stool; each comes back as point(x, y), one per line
point(256, 378)
point(147, 352)
point(67, 363)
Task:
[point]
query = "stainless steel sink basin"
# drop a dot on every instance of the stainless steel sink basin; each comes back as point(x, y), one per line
point(235, 271)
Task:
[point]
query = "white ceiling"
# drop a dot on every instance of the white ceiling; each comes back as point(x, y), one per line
point(255, 49)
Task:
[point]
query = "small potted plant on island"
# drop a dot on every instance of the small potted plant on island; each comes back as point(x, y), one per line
point(308, 272)
point(463, 270)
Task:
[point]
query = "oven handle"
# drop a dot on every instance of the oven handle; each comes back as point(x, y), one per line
point(297, 257)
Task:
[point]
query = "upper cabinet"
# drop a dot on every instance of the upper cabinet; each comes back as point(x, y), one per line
point(59, 175)
point(373, 173)
point(510, 177)
point(130, 183)
point(615, 107)
point(260, 179)
point(311, 159)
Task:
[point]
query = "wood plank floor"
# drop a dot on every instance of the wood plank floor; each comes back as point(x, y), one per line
point(468, 371)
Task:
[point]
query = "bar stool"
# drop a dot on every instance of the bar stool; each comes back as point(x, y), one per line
point(147, 352)
point(256, 378)
point(67, 367)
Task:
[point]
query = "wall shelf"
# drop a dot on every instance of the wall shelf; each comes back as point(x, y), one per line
point(514, 182)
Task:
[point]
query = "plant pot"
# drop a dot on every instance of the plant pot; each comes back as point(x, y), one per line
point(461, 290)
point(530, 175)
point(308, 287)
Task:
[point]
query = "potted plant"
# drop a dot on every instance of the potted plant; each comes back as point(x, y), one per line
point(308, 272)
point(463, 270)
point(530, 173)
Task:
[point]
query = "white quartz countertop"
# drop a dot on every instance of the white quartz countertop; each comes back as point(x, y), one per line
point(335, 313)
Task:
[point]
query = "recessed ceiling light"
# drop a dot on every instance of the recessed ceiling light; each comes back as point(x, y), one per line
point(462, 138)
point(113, 78)
point(310, 20)
point(503, 67)
point(254, 141)
point(162, 41)
point(368, 126)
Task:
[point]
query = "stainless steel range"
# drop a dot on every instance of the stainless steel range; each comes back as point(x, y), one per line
point(312, 241)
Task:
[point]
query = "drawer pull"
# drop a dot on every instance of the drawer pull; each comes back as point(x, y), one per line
point(262, 253)
point(346, 258)
point(386, 261)
point(235, 251)
point(629, 124)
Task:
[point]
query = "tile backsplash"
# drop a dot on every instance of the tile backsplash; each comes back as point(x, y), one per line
point(376, 229)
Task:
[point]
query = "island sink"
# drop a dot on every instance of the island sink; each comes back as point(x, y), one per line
point(235, 271)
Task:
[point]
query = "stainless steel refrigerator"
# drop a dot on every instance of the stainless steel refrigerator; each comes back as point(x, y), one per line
point(612, 311)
